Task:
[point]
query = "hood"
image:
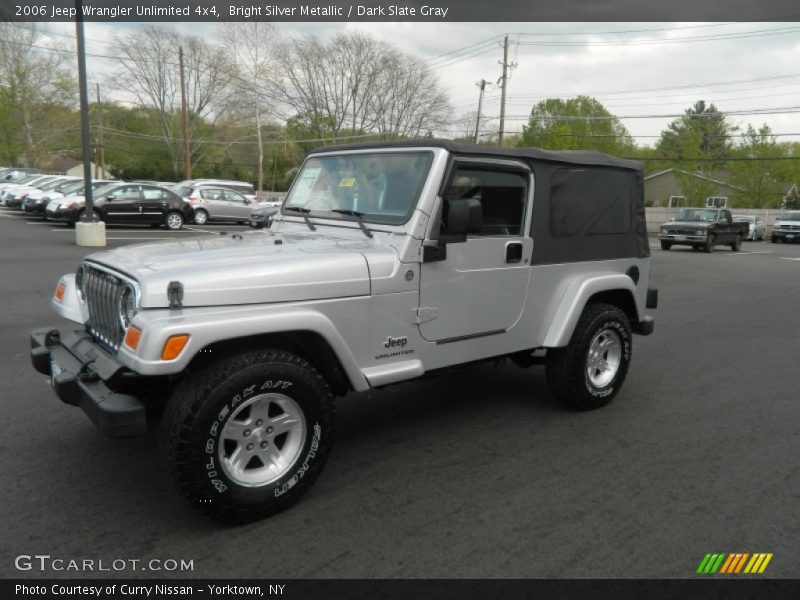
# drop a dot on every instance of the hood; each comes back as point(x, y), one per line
point(690, 224)
point(247, 268)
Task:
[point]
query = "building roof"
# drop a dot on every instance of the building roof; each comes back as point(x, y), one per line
point(717, 181)
point(64, 163)
point(577, 157)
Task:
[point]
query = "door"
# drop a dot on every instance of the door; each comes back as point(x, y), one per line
point(153, 205)
point(480, 287)
point(214, 203)
point(122, 204)
point(238, 205)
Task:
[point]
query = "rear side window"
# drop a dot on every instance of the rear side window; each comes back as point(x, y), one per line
point(585, 201)
point(211, 194)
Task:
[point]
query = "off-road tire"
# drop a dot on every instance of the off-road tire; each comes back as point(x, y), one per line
point(200, 217)
point(665, 245)
point(711, 241)
point(737, 245)
point(567, 367)
point(198, 412)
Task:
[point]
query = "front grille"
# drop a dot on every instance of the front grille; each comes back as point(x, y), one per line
point(683, 231)
point(102, 291)
point(788, 227)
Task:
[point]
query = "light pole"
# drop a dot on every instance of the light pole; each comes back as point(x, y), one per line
point(89, 231)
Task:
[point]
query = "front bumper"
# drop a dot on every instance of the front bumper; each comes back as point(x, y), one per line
point(682, 239)
point(789, 236)
point(63, 214)
point(34, 208)
point(80, 373)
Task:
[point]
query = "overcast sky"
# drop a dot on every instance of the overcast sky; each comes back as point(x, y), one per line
point(626, 66)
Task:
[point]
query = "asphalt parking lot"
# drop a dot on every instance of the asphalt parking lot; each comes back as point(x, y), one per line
point(482, 475)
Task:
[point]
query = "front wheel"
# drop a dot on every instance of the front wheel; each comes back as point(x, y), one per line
point(174, 221)
point(589, 371)
point(246, 437)
point(665, 245)
point(711, 241)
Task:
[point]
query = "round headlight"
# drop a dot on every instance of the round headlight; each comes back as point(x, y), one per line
point(127, 306)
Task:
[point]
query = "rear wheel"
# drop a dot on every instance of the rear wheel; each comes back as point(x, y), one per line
point(245, 437)
point(200, 217)
point(665, 245)
point(589, 371)
point(174, 221)
point(737, 245)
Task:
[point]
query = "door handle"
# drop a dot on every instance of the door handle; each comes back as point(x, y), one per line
point(514, 252)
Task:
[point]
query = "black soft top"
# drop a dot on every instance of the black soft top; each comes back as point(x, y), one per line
point(573, 157)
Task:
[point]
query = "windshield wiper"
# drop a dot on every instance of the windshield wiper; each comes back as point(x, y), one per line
point(304, 212)
point(358, 215)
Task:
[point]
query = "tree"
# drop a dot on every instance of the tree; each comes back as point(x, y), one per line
point(150, 71)
point(581, 123)
point(702, 133)
point(38, 95)
point(251, 45)
point(759, 172)
point(355, 84)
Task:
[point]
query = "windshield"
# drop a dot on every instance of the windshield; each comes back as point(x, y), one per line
point(708, 216)
point(70, 186)
point(28, 179)
point(382, 186)
point(788, 217)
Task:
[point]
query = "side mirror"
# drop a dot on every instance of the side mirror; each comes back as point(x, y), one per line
point(246, 201)
point(110, 198)
point(464, 216)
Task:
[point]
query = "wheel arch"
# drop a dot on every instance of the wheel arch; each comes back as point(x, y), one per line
point(311, 346)
point(616, 289)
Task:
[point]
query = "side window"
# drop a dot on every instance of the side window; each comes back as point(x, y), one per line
point(502, 195)
point(211, 194)
point(151, 193)
point(232, 196)
point(128, 192)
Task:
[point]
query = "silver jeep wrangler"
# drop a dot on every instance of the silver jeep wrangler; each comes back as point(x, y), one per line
point(386, 262)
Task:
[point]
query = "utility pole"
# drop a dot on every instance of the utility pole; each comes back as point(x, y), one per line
point(482, 85)
point(504, 78)
point(187, 156)
point(100, 148)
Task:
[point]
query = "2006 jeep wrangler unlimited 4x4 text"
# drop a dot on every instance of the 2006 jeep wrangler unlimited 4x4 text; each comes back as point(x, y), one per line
point(386, 262)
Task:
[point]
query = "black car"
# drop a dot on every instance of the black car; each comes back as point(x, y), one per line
point(262, 217)
point(134, 203)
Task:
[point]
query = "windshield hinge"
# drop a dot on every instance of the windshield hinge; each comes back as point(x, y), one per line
point(423, 314)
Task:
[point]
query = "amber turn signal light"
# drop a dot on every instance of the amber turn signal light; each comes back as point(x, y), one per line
point(132, 337)
point(174, 346)
point(59, 295)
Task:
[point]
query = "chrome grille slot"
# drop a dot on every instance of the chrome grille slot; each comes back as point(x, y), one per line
point(102, 292)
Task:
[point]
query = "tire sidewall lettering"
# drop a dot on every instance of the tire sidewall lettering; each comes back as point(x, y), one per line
point(213, 472)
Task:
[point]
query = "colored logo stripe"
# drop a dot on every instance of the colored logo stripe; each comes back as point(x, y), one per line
point(734, 563)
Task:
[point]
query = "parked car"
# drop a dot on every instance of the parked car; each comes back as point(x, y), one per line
point(702, 228)
point(786, 227)
point(16, 196)
point(65, 206)
point(189, 187)
point(125, 202)
point(35, 200)
point(262, 217)
point(215, 203)
point(756, 229)
point(11, 187)
point(246, 340)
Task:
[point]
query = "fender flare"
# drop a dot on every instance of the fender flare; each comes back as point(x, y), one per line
point(209, 327)
point(576, 296)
